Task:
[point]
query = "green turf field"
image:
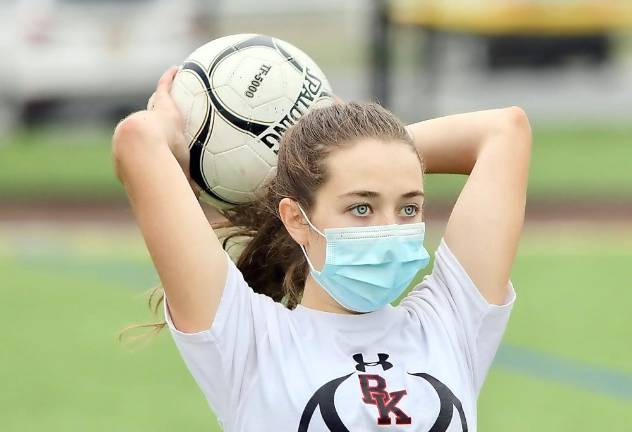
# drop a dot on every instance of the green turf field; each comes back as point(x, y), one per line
point(565, 365)
point(567, 162)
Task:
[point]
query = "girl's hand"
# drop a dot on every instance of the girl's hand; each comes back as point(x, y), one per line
point(163, 115)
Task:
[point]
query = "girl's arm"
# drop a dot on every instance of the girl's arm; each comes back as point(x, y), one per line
point(151, 160)
point(493, 147)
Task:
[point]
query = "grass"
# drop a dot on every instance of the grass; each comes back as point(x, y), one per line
point(66, 293)
point(571, 162)
point(575, 298)
point(63, 369)
point(54, 163)
point(523, 404)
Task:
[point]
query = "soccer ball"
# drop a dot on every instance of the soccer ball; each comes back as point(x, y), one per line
point(238, 94)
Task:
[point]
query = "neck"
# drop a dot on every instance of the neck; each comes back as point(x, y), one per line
point(315, 297)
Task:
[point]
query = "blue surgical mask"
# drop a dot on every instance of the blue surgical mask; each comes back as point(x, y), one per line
point(368, 267)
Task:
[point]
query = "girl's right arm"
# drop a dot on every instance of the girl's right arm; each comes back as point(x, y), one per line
point(150, 157)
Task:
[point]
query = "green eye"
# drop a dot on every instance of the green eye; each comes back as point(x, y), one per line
point(360, 210)
point(409, 210)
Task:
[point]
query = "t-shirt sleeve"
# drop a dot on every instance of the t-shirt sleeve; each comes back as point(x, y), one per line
point(221, 358)
point(449, 297)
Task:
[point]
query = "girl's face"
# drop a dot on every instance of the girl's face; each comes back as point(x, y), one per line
point(370, 183)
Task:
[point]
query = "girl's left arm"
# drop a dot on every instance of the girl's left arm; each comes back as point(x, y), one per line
point(493, 147)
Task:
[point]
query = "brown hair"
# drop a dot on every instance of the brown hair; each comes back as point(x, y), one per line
point(271, 261)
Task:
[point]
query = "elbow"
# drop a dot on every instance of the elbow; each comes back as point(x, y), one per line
point(518, 120)
point(127, 133)
point(516, 124)
point(122, 133)
point(518, 116)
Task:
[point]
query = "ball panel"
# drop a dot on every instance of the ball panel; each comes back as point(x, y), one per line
point(198, 115)
point(234, 196)
point(225, 136)
point(260, 80)
point(208, 171)
point(267, 179)
point(224, 69)
point(190, 81)
point(263, 151)
point(241, 169)
point(183, 99)
point(273, 110)
point(232, 101)
point(214, 200)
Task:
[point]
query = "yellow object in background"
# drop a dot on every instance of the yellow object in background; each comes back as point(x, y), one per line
point(496, 17)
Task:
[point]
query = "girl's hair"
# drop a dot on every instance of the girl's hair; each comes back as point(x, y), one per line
point(271, 262)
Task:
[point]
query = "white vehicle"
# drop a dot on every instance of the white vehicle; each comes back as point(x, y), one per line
point(92, 50)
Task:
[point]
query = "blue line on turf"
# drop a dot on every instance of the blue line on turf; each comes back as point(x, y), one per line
point(549, 367)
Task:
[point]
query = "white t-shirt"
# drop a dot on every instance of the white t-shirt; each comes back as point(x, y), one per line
point(418, 366)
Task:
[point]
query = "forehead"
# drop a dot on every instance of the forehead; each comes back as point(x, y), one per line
point(385, 167)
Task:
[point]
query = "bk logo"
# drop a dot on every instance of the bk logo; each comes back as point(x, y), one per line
point(374, 391)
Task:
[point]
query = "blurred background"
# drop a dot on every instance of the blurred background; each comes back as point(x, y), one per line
point(74, 269)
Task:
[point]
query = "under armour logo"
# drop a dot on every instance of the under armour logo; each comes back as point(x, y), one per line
point(382, 357)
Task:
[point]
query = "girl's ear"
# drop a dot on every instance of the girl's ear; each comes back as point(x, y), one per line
point(293, 219)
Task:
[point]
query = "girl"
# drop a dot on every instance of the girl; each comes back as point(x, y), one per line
point(298, 334)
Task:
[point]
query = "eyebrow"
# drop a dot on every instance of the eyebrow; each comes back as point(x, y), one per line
point(372, 194)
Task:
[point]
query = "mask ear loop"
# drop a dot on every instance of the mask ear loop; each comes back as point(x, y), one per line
point(303, 247)
point(308, 221)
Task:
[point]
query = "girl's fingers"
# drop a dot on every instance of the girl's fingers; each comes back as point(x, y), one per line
point(161, 95)
point(150, 102)
point(164, 83)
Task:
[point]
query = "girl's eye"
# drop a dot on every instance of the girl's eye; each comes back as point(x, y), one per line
point(360, 210)
point(409, 210)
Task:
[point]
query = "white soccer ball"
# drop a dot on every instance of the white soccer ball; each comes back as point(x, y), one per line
point(238, 94)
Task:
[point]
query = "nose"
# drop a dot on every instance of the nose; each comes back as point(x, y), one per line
point(387, 218)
